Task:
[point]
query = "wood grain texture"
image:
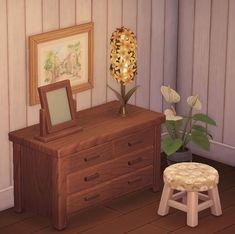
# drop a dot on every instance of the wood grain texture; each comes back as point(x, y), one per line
point(33, 24)
point(4, 100)
point(229, 111)
point(83, 15)
point(157, 54)
point(67, 13)
point(46, 182)
point(170, 47)
point(99, 92)
point(51, 14)
point(185, 52)
point(129, 20)
point(16, 63)
point(143, 60)
point(201, 50)
point(217, 66)
point(170, 44)
point(114, 22)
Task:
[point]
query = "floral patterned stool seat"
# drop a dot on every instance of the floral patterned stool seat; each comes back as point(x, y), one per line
point(190, 179)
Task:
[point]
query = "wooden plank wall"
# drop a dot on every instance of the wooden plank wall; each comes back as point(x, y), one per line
point(206, 66)
point(153, 21)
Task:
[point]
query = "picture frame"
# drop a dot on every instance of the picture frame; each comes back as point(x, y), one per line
point(58, 107)
point(59, 55)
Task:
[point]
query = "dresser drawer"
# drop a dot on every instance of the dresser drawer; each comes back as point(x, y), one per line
point(89, 157)
point(134, 142)
point(111, 189)
point(92, 176)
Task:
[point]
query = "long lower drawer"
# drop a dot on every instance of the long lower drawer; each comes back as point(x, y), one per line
point(111, 189)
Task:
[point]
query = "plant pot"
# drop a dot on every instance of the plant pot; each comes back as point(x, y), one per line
point(180, 156)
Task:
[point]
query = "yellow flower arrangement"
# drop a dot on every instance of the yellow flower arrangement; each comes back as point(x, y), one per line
point(123, 55)
point(123, 65)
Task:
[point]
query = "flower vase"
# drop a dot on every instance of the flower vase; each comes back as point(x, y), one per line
point(180, 156)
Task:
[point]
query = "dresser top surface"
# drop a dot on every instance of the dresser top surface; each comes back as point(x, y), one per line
point(100, 124)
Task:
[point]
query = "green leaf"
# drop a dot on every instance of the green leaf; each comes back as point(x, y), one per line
point(170, 145)
point(118, 95)
point(200, 139)
point(204, 118)
point(130, 93)
point(173, 127)
point(199, 128)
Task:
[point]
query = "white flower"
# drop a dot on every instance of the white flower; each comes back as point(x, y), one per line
point(194, 102)
point(170, 115)
point(170, 95)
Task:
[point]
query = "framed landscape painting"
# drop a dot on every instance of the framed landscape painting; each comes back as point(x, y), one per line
point(65, 54)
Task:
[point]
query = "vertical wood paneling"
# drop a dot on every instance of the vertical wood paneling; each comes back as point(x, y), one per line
point(229, 111)
point(33, 24)
point(4, 101)
point(217, 65)
point(114, 21)
point(129, 13)
point(50, 15)
point(157, 54)
point(67, 13)
point(170, 46)
point(201, 50)
point(185, 52)
point(16, 63)
point(100, 46)
point(83, 15)
point(144, 48)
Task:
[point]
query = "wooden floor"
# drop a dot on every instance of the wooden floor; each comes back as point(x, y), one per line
point(135, 214)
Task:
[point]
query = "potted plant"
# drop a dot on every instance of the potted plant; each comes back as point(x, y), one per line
point(181, 130)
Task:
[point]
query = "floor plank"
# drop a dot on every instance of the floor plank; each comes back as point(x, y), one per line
point(211, 223)
point(135, 214)
point(136, 201)
point(148, 229)
point(9, 216)
point(84, 221)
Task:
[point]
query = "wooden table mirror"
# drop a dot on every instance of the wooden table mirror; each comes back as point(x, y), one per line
point(58, 111)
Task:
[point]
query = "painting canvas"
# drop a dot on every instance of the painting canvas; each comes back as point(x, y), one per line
point(64, 54)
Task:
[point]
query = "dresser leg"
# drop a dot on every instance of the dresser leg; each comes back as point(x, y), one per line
point(59, 221)
point(17, 178)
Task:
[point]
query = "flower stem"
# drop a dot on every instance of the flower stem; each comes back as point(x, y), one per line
point(123, 91)
point(189, 120)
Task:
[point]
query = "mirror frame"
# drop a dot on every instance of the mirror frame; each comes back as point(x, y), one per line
point(44, 105)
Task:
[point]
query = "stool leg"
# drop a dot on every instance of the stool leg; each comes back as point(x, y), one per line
point(192, 209)
point(163, 208)
point(214, 196)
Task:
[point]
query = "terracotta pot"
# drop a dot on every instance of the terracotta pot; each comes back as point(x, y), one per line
point(180, 156)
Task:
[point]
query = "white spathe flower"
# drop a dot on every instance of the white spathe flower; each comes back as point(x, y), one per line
point(170, 95)
point(171, 115)
point(194, 102)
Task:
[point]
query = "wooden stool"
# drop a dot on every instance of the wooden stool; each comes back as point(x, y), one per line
point(190, 179)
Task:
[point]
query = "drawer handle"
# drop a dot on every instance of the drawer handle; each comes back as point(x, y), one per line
point(88, 159)
point(92, 177)
point(92, 197)
point(135, 161)
point(134, 143)
point(134, 181)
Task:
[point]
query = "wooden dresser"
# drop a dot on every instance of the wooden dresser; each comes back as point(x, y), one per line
point(110, 157)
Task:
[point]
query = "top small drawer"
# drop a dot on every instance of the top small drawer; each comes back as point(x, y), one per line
point(134, 142)
point(89, 157)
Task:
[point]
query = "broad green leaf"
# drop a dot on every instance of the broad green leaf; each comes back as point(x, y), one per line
point(118, 95)
point(199, 128)
point(170, 145)
point(130, 93)
point(204, 118)
point(173, 128)
point(200, 139)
